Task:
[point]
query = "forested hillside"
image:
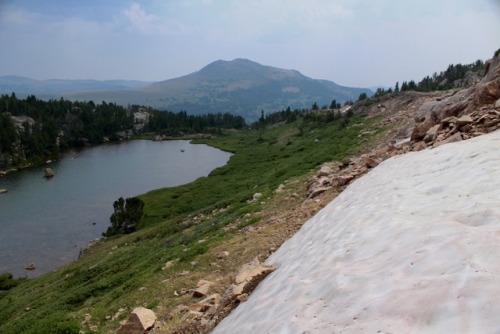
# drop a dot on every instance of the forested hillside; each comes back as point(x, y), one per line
point(33, 130)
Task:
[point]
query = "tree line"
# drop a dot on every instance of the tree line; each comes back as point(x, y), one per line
point(34, 130)
point(455, 76)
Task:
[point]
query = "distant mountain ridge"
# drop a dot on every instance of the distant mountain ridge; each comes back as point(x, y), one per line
point(54, 87)
point(240, 86)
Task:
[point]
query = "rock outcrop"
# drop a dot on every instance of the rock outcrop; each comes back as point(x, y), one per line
point(431, 120)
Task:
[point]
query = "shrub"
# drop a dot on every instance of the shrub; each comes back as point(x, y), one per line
point(127, 216)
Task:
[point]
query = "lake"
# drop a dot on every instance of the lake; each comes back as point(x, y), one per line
point(46, 221)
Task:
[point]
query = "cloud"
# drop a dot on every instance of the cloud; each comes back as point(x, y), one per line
point(151, 24)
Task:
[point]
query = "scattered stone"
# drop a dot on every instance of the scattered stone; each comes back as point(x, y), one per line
point(30, 266)
point(87, 319)
point(257, 197)
point(325, 170)
point(242, 298)
point(344, 179)
point(318, 191)
point(212, 300)
point(419, 146)
point(465, 119)
point(223, 254)
point(451, 139)
point(140, 320)
point(372, 162)
point(168, 265)
point(280, 189)
point(250, 275)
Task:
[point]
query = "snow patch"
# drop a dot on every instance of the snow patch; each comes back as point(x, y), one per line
point(411, 247)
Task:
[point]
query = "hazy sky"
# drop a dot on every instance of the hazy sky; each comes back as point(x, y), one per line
point(351, 42)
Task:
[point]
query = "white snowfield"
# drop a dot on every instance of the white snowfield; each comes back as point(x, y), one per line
point(411, 247)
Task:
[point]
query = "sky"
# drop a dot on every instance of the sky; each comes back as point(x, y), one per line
point(359, 43)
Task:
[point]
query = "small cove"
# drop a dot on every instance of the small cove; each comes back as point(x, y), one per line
point(46, 221)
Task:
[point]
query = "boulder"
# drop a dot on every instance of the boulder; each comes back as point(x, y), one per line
point(463, 120)
point(451, 139)
point(421, 129)
point(139, 321)
point(432, 133)
point(48, 172)
point(202, 288)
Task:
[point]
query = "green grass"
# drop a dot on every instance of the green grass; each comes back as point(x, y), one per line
point(126, 272)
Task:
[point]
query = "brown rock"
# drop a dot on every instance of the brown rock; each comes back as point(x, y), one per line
point(420, 130)
point(140, 320)
point(466, 128)
point(432, 133)
point(202, 288)
point(463, 120)
point(491, 122)
point(242, 298)
point(488, 93)
point(451, 139)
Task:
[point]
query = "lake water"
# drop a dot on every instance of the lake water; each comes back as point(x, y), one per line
point(46, 221)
